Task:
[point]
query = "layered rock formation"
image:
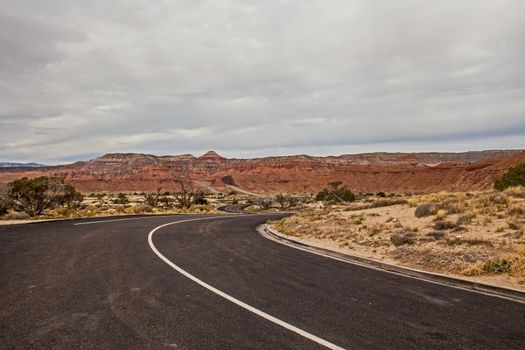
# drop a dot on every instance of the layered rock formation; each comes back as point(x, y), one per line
point(370, 172)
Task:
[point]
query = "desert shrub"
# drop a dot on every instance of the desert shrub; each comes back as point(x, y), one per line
point(167, 202)
point(264, 202)
point(452, 206)
point(335, 192)
point(120, 209)
point(381, 194)
point(465, 219)
point(71, 198)
point(425, 209)
point(477, 241)
point(152, 199)
point(441, 214)
point(514, 177)
point(498, 198)
point(444, 225)
point(497, 265)
point(513, 225)
point(286, 200)
point(515, 191)
point(387, 202)
point(200, 199)
point(399, 239)
point(516, 210)
point(138, 209)
point(235, 201)
point(375, 230)
point(121, 199)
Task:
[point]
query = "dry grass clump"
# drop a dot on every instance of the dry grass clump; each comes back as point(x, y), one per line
point(514, 224)
point(516, 191)
point(498, 198)
point(441, 214)
point(465, 219)
point(426, 209)
point(443, 208)
point(438, 260)
point(516, 210)
point(513, 263)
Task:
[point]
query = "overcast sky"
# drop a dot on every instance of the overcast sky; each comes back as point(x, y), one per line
point(254, 78)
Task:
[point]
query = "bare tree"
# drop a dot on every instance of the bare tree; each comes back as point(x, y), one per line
point(152, 199)
point(264, 202)
point(188, 192)
point(286, 200)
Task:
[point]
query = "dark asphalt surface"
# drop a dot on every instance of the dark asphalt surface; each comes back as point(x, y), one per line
point(101, 286)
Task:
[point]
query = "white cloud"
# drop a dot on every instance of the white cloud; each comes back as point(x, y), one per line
point(253, 78)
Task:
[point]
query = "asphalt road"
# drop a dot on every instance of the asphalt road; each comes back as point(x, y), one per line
point(101, 286)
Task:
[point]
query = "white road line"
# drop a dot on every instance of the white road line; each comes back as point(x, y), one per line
point(124, 219)
point(229, 297)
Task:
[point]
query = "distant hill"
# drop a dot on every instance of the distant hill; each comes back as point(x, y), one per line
point(21, 165)
point(367, 172)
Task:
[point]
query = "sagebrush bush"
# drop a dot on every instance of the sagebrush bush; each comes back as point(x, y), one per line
point(139, 209)
point(402, 238)
point(444, 225)
point(498, 198)
point(425, 209)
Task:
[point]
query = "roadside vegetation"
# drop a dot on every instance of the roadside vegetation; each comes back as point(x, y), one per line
point(514, 177)
point(46, 198)
point(473, 234)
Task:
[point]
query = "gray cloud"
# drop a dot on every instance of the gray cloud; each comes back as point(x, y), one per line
point(251, 78)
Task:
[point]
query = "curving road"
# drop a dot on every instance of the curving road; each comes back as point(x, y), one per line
point(217, 284)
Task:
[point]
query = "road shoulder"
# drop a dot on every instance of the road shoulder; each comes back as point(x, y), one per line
point(271, 233)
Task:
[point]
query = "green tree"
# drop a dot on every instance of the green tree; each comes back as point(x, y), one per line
point(71, 198)
point(514, 177)
point(33, 196)
point(121, 199)
point(285, 200)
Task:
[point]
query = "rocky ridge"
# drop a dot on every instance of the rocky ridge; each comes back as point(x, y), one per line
point(369, 172)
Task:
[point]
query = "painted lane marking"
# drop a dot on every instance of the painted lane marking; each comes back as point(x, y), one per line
point(123, 219)
point(228, 297)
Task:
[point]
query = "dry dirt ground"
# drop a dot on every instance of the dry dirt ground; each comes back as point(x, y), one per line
point(476, 235)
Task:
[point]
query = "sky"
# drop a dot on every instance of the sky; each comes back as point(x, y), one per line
point(79, 79)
